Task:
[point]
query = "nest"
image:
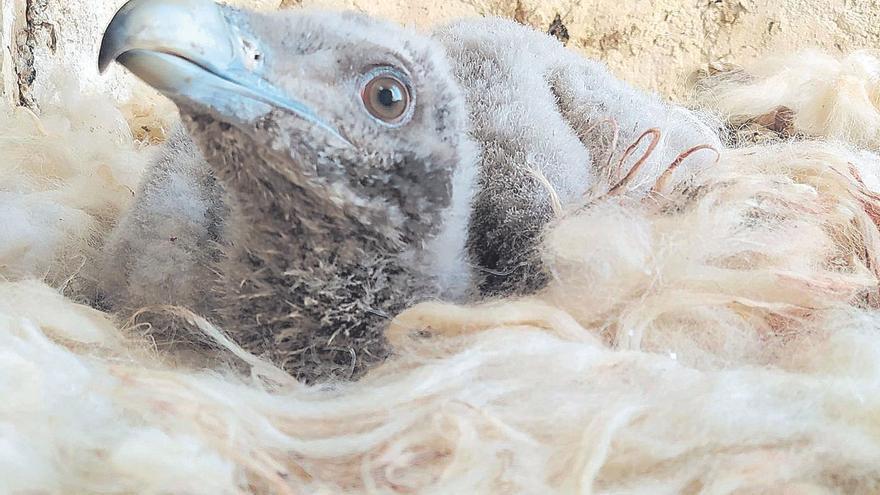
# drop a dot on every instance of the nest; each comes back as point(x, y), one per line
point(713, 336)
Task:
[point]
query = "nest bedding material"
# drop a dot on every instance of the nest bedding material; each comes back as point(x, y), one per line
point(819, 95)
point(715, 337)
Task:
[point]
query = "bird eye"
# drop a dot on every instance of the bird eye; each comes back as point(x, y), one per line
point(387, 96)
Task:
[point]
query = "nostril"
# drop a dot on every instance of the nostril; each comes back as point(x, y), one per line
point(251, 53)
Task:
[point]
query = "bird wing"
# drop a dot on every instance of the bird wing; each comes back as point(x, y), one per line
point(537, 111)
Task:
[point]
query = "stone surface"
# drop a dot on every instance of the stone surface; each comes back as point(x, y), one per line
point(656, 44)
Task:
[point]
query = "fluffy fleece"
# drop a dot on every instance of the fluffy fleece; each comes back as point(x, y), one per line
point(65, 176)
point(715, 337)
point(823, 95)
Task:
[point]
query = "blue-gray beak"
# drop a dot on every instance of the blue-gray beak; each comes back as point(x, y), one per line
point(191, 50)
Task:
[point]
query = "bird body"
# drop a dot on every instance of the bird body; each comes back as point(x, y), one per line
point(334, 169)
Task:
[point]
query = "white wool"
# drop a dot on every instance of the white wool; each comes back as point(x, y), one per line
point(63, 177)
point(33, 229)
point(835, 97)
point(716, 338)
point(509, 410)
point(773, 240)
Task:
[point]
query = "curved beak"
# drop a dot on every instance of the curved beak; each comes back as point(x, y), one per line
point(192, 50)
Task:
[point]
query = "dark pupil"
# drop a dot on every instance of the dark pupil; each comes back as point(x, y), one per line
point(389, 96)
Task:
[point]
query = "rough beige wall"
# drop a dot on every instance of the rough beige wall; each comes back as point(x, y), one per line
point(656, 44)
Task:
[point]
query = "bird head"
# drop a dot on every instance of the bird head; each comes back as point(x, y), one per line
point(339, 107)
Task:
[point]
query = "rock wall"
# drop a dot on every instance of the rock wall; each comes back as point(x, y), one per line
point(655, 44)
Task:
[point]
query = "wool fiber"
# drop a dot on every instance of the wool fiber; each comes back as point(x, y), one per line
point(64, 178)
point(827, 96)
point(716, 335)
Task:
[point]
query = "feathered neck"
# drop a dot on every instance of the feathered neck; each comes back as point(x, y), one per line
point(304, 283)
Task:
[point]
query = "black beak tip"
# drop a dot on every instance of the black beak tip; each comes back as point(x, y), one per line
point(104, 57)
point(110, 41)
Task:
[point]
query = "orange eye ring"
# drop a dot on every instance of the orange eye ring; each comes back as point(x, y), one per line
point(387, 96)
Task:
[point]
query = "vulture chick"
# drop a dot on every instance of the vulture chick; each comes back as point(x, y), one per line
point(332, 169)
